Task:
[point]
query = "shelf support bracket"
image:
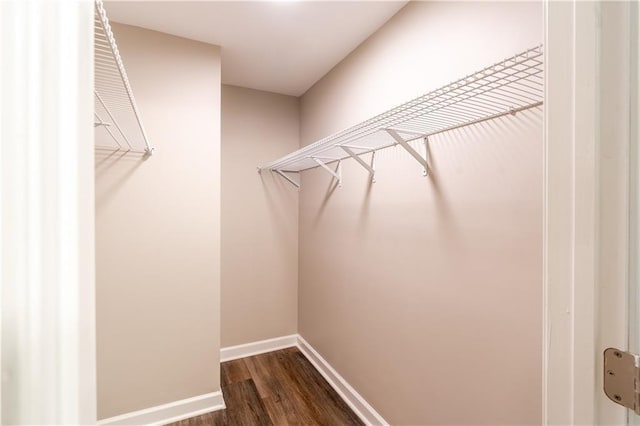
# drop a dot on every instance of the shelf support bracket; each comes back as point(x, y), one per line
point(289, 179)
point(370, 168)
point(336, 174)
point(414, 135)
point(415, 154)
point(106, 125)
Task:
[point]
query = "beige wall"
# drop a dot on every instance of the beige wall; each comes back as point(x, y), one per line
point(158, 232)
point(259, 285)
point(425, 293)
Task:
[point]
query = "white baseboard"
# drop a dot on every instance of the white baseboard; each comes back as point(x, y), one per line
point(191, 407)
point(353, 399)
point(255, 348)
point(171, 412)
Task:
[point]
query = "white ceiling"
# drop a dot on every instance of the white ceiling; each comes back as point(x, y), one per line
point(276, 46)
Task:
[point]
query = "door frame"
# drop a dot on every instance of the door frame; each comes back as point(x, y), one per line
point(47, 297)
point(586, 206)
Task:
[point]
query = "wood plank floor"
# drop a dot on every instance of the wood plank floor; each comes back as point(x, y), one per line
point(276, 388)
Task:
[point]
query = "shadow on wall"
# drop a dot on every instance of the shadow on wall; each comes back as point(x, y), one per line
point(275, 190)
point(114, 168)
point(502, 141)
point(331, 188)
point(366, 203)
point(488, 151)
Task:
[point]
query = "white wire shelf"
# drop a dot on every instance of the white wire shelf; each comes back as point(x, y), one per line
point(117, 123)
point(507, 87)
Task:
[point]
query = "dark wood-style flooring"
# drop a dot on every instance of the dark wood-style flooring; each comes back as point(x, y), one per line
point(276, 388)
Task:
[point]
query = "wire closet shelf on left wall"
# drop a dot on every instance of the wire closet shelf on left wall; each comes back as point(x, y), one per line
point(116, 118)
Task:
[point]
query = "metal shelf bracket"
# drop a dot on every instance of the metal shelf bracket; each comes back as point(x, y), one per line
point(337, 174)
point(422, 159)
point(369, 167)
point(289, 179)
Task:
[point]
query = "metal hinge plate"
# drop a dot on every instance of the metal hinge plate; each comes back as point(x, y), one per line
point(622, 378)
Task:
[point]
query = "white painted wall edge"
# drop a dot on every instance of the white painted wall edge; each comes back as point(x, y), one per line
point(353, 399)
point(170, 412)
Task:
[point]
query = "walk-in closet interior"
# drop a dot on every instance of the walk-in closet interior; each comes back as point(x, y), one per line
point(319, 212)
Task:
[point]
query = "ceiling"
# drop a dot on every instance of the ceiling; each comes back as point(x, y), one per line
point(276, 46)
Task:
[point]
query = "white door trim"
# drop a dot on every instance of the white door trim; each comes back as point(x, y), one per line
point(586, 207)
point(47, 212)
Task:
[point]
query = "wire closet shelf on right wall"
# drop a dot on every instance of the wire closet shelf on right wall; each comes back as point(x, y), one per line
point(507, 87)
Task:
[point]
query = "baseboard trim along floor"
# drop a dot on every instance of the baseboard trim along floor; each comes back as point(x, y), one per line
point(353, 399)
point(256, 348)
point(171, 412)
point(191, 407)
